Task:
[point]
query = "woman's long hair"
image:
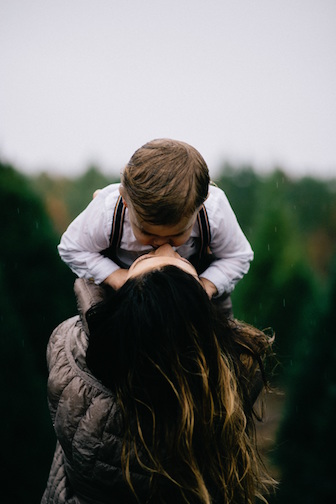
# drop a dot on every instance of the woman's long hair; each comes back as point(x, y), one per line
point(183, 378)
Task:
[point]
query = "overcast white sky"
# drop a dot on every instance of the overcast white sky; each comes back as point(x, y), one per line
point(87, 81)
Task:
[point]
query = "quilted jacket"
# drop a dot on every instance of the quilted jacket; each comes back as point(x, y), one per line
point(86, 466)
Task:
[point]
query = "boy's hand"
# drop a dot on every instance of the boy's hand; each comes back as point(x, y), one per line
point(117, 278)
point(209, 287)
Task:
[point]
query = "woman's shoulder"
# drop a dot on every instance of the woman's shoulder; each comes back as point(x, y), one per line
point(74, 393)
point(67, 353)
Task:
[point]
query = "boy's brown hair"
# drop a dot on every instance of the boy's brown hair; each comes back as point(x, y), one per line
point(166, 180)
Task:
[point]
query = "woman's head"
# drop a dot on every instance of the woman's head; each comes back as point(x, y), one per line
point(151, 319)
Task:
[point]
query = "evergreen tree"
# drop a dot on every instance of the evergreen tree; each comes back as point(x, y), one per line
point(280, 290)
point(241, 186)
point(307, 437)
point(36, 293)
point(65, 198)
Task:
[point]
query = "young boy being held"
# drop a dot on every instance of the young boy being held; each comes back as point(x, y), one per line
point(165, 196)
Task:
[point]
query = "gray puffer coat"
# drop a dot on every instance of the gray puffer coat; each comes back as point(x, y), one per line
point(86, 468)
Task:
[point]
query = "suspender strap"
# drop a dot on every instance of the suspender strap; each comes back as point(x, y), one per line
point(205, 234)
point(203, 257)
point(116, 232)
point(117, 224)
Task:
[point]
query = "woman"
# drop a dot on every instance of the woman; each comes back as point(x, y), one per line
point(153, 402)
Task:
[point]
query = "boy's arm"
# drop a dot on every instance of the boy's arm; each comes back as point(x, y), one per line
point(87, 236)
point(230, 247)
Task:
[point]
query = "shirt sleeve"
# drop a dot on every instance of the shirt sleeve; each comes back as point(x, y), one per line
point(230, 247)
point(88, 235)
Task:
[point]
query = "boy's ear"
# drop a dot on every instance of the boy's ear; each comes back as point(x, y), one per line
point(123, 195)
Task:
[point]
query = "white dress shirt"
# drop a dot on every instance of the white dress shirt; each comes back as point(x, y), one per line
point(90, 232)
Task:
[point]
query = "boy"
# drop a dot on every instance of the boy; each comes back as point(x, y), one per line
point(165, 196)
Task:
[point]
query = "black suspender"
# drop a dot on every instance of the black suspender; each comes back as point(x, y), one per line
point(205, 233)
point(117, 224)
point(116, 232)
point(202, 258)
point(117, 228)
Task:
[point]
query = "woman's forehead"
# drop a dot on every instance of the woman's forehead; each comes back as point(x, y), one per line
point(149, 262)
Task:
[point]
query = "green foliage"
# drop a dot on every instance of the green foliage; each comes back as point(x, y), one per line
point(27, 434)
point(35, 295)
point(31, 269)
point(66, 198)
point(80, 192)
point(307, 438)
point(242, 188)
point(281, 290)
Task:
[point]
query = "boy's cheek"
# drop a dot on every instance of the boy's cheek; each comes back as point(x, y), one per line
point(144, 240)
point(181, 240)
point(177, 242)
point(140, 237)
